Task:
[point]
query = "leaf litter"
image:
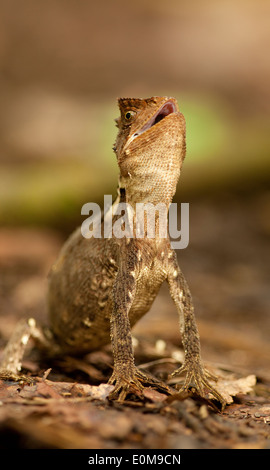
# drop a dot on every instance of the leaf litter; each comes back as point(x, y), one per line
point(71, 414)
point(66, 404)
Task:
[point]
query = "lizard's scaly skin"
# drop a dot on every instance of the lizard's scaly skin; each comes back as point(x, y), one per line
point(100, 287)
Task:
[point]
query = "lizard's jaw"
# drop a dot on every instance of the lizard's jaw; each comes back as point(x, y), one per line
point(166, 109)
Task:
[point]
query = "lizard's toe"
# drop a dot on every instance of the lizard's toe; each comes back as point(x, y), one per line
point(197, 376)
point(126, 383)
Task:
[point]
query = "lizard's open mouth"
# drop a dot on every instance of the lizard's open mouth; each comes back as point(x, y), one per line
point(168, 108)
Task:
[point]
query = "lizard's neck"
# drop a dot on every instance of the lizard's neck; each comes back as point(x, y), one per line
point(149, 215)
point(153, 187)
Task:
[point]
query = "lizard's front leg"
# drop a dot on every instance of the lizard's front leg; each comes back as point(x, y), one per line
point(125, 375)
point(196, 374)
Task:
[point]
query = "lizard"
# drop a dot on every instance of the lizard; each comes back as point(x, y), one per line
point(100, 287)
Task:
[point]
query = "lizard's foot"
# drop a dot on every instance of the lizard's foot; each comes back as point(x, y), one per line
point(126, 381)
point(197, 375)
point(6, 374)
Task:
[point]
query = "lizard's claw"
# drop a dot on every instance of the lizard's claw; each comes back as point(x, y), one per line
point(197, 376)
point(126, 382)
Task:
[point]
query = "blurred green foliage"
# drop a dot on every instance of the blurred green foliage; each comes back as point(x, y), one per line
point(63, 64)
point(221, 153)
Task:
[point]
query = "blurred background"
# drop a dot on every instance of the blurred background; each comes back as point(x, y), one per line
point(63, 65)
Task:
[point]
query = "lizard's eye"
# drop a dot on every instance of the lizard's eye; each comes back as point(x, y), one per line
point(129, 115)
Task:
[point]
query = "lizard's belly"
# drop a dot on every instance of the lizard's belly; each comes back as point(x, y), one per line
point(79, 330)
point(148, 285)
point(80, 298)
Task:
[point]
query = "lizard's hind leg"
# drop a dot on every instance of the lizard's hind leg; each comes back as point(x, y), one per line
point(11, 361)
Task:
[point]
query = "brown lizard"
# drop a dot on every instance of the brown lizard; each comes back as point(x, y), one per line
point(100, 287)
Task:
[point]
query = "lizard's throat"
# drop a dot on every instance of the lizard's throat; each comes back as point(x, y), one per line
point(149, 187)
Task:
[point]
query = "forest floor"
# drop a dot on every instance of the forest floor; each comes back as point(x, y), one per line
point(66, 406)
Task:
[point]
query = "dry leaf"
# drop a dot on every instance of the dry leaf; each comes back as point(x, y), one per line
point(229, 386)
point(154, 395)
point(97, 392)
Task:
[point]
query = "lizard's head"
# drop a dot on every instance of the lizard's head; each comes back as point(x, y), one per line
point(150, 147)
